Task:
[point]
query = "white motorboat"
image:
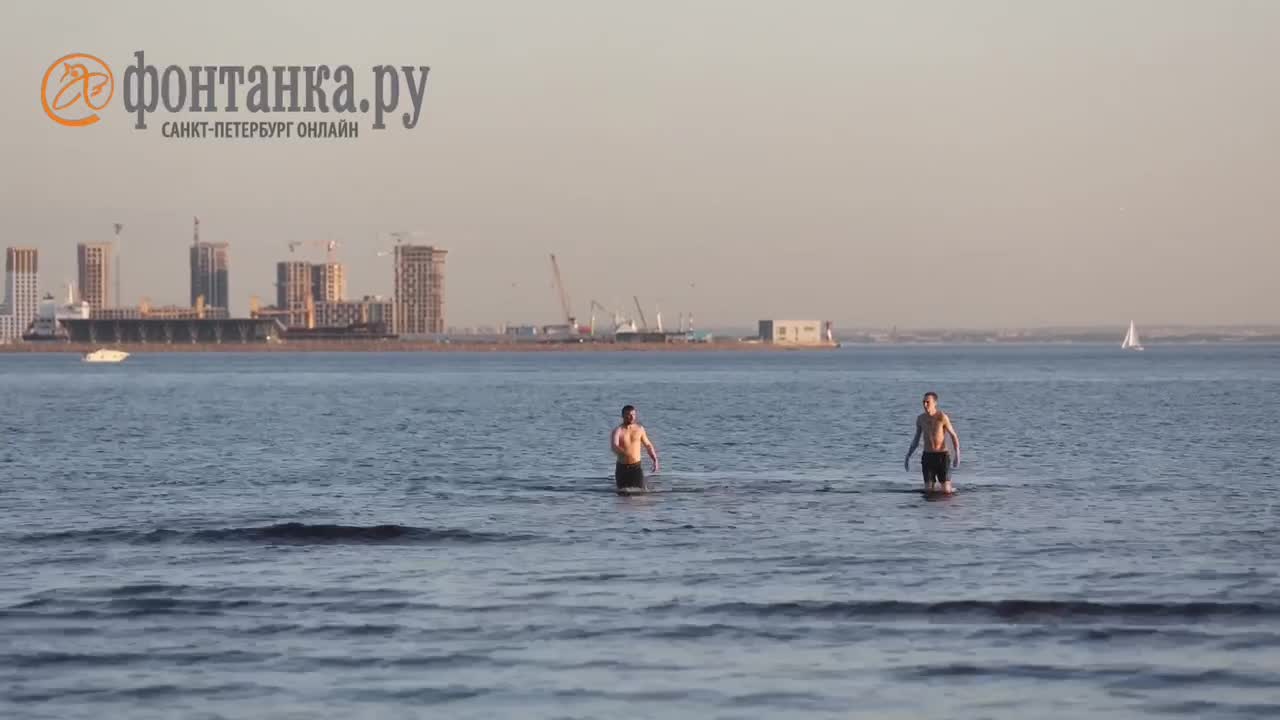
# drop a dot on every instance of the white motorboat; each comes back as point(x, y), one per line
point(105, 355)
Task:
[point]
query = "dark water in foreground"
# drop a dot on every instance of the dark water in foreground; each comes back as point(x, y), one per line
point(436, 536)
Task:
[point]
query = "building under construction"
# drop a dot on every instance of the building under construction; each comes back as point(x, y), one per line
point(294, 292)
point(419, 290)
point(305, 316)
point(209, 271)
point(93, 265)
point(311, 302)
point(146, 311)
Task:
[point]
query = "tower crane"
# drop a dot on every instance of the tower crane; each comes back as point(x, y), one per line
point(595, 305)
point(329, 245)
point(640, 311)
point(399, 236)
point(119, 298)
point(564, 296)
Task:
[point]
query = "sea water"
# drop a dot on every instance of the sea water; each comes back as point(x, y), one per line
point(437, 535)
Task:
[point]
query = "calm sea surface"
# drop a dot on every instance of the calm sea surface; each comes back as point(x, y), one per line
point(436, 535)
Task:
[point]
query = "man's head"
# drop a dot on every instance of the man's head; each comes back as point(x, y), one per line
point(628, 414)
point(930, 402)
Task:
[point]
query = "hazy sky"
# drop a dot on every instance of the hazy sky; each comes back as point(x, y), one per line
point(975, 163)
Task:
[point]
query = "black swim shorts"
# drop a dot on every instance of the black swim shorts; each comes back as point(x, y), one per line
point(629, 476)
point(936, 467)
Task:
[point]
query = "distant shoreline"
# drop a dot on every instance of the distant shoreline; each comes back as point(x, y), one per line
point(403, 346)
point(396, 346)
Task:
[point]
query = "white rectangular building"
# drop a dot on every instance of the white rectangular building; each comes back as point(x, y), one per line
point(792, 332)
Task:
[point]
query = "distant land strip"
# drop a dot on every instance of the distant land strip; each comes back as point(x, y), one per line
point(404, 346)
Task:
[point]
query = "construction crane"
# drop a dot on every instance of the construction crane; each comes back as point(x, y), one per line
point(620, 322)
point(400, 236)
point(640, 311)
point(595, 305)
point(119, 299)
point(329, 245)
point(564, 296)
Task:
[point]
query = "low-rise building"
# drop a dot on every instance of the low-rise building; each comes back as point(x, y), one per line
point(370, 310)
point(792, 332)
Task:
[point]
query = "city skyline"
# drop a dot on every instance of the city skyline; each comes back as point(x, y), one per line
point(921, 164)
point(306, 293)
point(324, 282)
point(311, 295)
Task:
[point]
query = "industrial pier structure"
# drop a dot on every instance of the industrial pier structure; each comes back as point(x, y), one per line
point(172, 331)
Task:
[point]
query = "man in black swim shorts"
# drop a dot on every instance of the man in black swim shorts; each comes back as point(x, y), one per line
point(626, 442)
point(934, 426)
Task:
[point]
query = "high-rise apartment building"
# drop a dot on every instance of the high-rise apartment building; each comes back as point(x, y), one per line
point(209, 271)
point(419, 289)
point(93, 263)
point(293, 290)
point(209, 275)
point(21, 300)
point(21, 281)
point(328, 282)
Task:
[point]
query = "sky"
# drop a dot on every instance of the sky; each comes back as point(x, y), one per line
point(901, 162)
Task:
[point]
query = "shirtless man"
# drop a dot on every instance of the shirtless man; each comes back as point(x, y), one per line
point(934, 426)
point(626, 441)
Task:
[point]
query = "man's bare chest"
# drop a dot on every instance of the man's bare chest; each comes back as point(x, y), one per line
point(932, 426)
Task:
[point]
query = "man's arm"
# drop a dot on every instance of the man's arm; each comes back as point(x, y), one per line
point(653, 451)
point(615, 442)
point(955, 439)
point(906, 462)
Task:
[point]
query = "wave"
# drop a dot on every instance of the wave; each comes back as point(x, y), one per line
point(1116, 677)
point(97, 607)
point(54, 658)
point(1001, 610)
point(281, 533)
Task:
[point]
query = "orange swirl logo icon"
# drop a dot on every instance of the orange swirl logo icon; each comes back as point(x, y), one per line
point(75, 88)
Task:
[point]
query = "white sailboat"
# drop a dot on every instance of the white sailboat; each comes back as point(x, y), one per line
point(1131, 341)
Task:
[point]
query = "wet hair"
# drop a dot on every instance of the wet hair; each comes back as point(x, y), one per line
point(626, 409)
point(932, 394)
